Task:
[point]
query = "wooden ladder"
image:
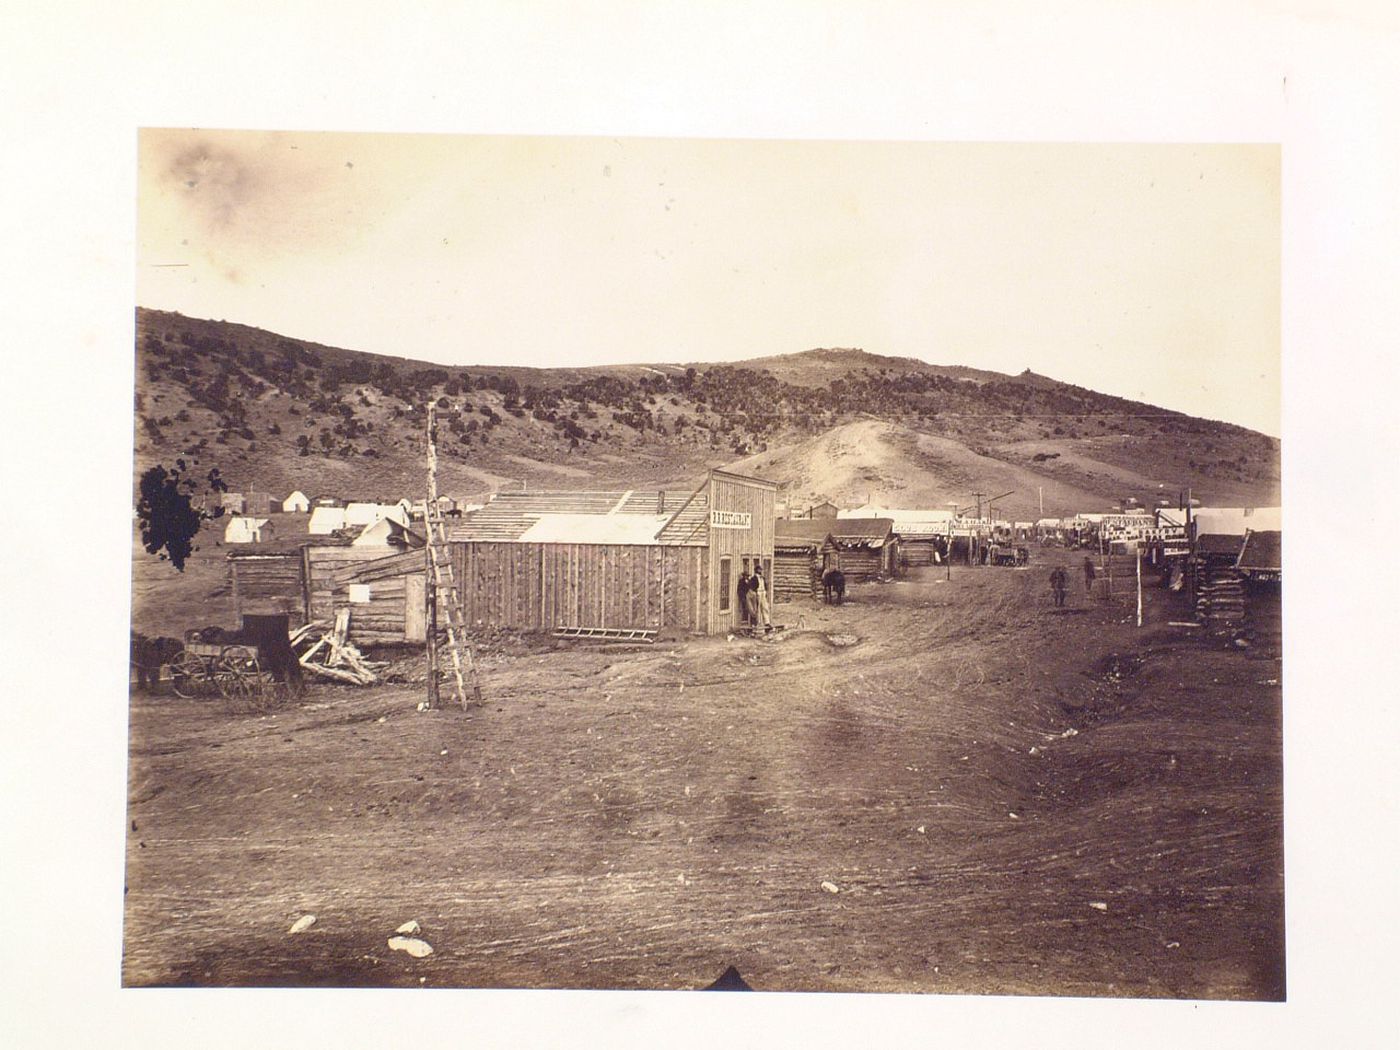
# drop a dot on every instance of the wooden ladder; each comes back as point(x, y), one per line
point(445, 586)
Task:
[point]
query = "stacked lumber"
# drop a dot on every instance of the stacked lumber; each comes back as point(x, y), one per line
point(328, 653)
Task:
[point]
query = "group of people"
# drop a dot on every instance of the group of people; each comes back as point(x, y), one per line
point(1059, 581)
point(755, 609)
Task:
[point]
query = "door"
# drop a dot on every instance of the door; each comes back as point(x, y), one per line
point(415, 608)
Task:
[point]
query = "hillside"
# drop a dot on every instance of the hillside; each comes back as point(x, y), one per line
point(276, 414)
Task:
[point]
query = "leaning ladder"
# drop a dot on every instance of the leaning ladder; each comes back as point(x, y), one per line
point(463, 666)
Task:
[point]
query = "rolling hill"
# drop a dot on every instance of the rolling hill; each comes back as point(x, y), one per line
point(276, 414)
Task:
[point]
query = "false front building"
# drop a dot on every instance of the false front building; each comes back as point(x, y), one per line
point(624, 561)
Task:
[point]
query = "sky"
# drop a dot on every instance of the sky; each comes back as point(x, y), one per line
point(1147, 271)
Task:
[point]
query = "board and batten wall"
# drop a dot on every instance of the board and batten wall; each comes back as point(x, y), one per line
point(733, 499)
point(546, 586)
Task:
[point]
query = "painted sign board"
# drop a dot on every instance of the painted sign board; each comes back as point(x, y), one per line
point(731, 519)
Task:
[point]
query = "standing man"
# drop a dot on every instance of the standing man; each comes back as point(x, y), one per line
point(1059, 579)
point(1088, 574)
point(745, 587)
point(764, 613)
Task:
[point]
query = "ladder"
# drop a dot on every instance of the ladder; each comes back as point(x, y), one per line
point(439, 559)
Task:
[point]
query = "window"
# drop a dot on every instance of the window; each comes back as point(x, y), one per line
point(725, 583)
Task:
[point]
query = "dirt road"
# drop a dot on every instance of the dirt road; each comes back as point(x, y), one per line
point(1005, 797)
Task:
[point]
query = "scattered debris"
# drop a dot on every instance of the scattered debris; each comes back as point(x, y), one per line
point(415, 947)
point(921, 829)
point(1013, 816)
point(1098, 905)
point(1173, 944)
point(342, 662)
point(842, 640)
point(303, 924)
point(831, 887)
point(409, 927)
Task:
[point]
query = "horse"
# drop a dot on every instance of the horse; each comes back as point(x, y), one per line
point(148, 655)
point(834, 583)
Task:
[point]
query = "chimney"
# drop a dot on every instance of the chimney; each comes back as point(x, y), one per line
point(661, 502)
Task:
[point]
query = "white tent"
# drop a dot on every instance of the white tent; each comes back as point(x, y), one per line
point(362, 514)
point(296, 503)
point(326, 520)
point(386, 532)
point(247, 530)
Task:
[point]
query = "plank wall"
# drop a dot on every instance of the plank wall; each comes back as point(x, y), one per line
point(543, 586)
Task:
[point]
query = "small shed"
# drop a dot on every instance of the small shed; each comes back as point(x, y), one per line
point(257, 504)
point(862, 548)
point(232, 502)
point(824, 509)
point(797, 558)
point(296, 503)
point(241, 529)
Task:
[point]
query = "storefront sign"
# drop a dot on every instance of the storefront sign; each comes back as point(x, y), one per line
point(731, 519)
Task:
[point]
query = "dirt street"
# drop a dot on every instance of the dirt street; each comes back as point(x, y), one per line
point(1005, 798)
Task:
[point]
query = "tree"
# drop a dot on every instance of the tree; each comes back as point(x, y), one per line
point(166, 513)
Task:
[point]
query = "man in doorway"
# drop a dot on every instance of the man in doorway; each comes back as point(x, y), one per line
point(745, 588)
point(763, 610)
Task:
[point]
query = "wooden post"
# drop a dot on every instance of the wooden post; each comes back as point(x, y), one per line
point(1139, 585)
point(430, 590)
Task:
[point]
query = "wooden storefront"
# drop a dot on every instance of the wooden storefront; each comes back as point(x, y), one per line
point(615, 560)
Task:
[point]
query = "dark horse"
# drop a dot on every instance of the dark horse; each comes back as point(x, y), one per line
point(147, 656)
point(834, 586)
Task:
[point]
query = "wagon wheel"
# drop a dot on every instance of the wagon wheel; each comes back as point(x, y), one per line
point(188, 675)
point(232, 671)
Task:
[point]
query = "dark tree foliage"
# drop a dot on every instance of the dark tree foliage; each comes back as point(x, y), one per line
point(166, 512)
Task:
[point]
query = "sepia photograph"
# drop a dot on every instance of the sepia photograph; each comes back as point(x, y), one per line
point(644, 563)
point(529, 515)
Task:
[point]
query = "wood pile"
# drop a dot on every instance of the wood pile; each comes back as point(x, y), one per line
point(327, 653)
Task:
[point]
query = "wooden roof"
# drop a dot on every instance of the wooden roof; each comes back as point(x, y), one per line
point(844, 532)
point(1219, 543)
point(509, 516)
point(1262, 552)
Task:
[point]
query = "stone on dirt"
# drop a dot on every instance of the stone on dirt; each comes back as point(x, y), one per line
point(409, 927)
point(416, 948)
point(831, 887)
point(1098, 905)
point(304, 923)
